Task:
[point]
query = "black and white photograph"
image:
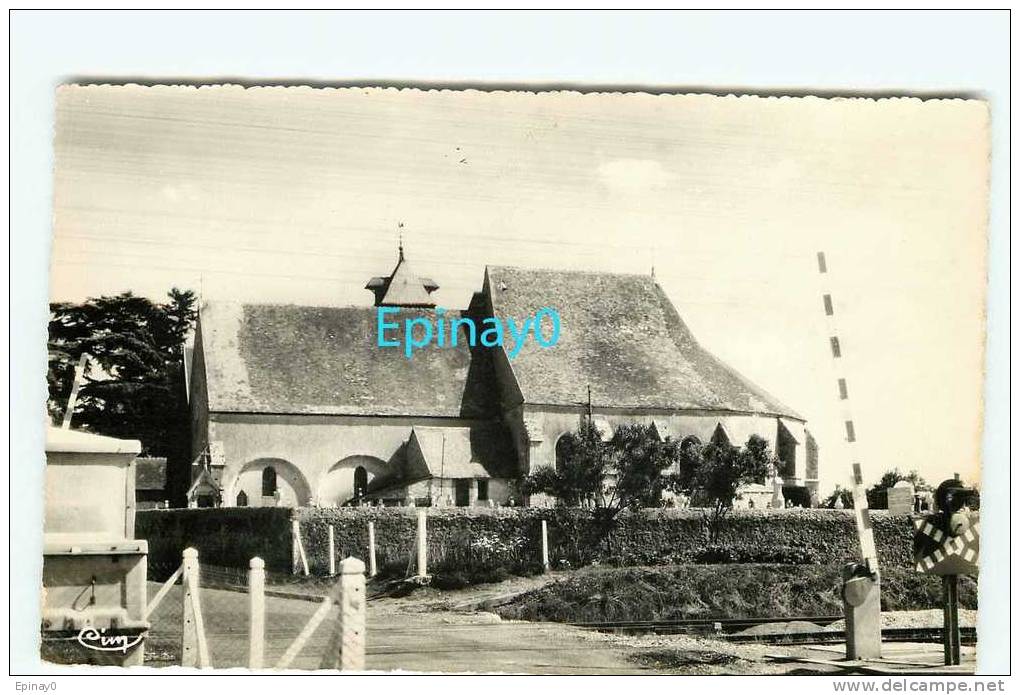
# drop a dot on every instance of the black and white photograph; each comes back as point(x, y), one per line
point(347, 378)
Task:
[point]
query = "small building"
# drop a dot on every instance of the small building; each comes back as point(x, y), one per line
point(150, 483)
point(94, 571)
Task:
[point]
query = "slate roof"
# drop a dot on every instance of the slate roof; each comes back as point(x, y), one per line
point(621, 335)
point(271, 358)
point(466, 452)
point(404, 286)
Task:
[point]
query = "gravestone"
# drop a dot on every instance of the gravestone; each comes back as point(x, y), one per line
point(900, 498)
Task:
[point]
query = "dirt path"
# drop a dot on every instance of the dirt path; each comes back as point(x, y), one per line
point(408, 634)
point(431, 631)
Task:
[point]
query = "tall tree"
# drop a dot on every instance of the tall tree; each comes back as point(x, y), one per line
point(134, 382)
point(844, 495)
point(606, 478)
point(877, 497)
point(724, 469)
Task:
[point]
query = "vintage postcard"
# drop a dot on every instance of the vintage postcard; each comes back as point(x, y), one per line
point(383, 379)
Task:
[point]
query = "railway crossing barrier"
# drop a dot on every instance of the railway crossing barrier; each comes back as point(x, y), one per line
point(861, 582)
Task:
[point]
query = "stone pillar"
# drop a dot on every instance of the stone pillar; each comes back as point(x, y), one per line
point(352, 615)
point(778, 500)
point(371, 549)
point(332, 551)
point(257, 609)
point(545, 546)
point(422, 546)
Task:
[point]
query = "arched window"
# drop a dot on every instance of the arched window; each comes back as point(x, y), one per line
point(360, 482)
point(564, 450)
point(268, 481)
point(242, 499)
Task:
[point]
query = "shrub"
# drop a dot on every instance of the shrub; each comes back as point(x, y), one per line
point(466, 538)
point(780, 555)
point(706, 591)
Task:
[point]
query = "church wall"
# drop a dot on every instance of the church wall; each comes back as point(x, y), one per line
point(796, 428)
point(443, 493)
point(313, 445)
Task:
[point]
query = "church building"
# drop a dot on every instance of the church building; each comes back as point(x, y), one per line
point(298, 405)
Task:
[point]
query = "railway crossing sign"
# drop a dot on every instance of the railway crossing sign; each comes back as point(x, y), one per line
point(948, 542)
point(938, 551)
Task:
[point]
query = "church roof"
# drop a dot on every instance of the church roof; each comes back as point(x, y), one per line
point(622, 336)
point(404, 286)
point(271, 358)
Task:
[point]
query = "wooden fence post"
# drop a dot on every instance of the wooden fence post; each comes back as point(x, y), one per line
point(257, 606)
point(332, 551)
point(346, 646)
point(298, 558)
point(352, 615)
point(371, 549)
point(194, 650)
point(545, 545)
point(422, 568)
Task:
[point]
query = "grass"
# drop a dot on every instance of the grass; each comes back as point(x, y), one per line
point(716, 591)
point(669, 659)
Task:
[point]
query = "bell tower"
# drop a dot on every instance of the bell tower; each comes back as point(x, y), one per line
point(404, 286)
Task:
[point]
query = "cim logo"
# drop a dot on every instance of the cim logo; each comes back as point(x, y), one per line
point(91, 638)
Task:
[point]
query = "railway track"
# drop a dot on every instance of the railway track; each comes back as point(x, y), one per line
point(723, 626)
point(736, 630)
point(968, 636)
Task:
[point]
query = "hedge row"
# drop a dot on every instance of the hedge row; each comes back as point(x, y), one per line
point(510, 537)
point(223, 537)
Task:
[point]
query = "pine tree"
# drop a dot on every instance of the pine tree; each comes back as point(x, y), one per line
point(133, 387)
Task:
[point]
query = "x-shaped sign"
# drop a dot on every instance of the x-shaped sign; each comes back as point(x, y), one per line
point(938, 552)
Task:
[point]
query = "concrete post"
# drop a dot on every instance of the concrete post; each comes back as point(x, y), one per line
point(545, 545)
point(332, 551)
point(352, 615)
point(189, 633)
point(257, 610)
point(298, 557)
point(422, 568)
point(194, 651)
point(371, 549)
point(862, 606)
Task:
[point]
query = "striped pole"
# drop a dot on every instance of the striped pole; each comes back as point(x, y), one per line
point(72, 401)
point(865, 532)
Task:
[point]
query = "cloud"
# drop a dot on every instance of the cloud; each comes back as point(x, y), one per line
point(634, 175)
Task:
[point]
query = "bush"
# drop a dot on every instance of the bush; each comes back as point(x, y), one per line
point(468, 538)
point(451, 580)
point(225, 537)
point(779, 555)
point(710, 591)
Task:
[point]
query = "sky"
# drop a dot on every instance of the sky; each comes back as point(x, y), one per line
point(296, 195)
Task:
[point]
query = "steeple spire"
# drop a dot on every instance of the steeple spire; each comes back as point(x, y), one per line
point(403, 287)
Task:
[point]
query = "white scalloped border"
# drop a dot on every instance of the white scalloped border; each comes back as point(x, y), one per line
point(604, 91)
